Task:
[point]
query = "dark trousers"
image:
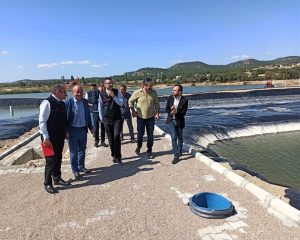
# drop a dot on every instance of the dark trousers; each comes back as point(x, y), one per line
point(128, 119)
point(149, 124)
point(113, 131)
point(53, 163)
point(96, 123)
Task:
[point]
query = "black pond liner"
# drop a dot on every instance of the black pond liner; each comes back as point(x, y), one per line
point(13, 128)
point(211, 205)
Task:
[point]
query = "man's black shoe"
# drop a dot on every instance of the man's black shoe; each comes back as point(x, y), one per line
point(137, 150)
point(103, 144)
point(50, 189)
point(61, 182)
point(150, 156)
point(132, 140)
point(84, 170)
point(175, 160)
point(119, 161)
point(114, 160)
point(77, 176)
point(96, 144)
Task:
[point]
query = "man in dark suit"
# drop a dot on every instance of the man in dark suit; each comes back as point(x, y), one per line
point(78, 123)
point(176, 108)
point(110, 103)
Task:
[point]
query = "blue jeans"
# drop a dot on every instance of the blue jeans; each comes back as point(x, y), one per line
point(176, 135)
point(149, 124)
point(128, 119)
point(77, 147)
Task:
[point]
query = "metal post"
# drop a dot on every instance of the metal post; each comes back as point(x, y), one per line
point(11, 111)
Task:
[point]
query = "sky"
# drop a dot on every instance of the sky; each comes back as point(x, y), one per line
point(46, 39)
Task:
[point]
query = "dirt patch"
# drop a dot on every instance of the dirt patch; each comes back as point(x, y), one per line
point(6, 144)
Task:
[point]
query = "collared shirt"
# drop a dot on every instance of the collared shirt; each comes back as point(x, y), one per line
point(176, 102)
point(118, 100)
point(44, 116)
point(147, 103)
point(79, 114)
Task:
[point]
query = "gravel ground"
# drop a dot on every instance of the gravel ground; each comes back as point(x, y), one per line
point(140, 199)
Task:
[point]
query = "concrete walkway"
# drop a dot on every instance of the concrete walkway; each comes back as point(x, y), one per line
point(140, 199)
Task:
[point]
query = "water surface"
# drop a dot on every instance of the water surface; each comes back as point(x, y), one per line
point(274, 156)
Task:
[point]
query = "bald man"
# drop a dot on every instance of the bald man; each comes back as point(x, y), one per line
point(78, 123)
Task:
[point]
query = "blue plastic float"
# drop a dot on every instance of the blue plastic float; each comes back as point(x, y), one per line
point(211, 205)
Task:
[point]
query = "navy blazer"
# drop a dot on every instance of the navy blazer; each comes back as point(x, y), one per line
point(70, 113)
point(181, 110)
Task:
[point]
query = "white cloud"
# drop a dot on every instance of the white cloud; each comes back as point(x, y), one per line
point(4, 52)
point(240, 57)
point(179, 59)
point(20, 67)
point(96, 66)
point(67, 62)
point(84, 62)
point(47, 65)
point(245, 56)
point(99, 65)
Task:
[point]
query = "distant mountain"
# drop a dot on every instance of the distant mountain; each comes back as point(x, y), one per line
point(287, 60)
point(147, 69)
point(198, 66)
point(246, 63)
point(189, 65)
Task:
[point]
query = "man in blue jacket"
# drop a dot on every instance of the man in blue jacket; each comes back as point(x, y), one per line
point(78, 123)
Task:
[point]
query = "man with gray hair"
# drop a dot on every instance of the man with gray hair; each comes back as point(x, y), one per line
point(52, 124)
point(78, 122)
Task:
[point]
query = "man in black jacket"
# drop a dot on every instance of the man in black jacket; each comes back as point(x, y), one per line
point(176, 108)
point(110, 103)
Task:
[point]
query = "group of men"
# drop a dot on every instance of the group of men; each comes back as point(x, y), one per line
point(108, 107)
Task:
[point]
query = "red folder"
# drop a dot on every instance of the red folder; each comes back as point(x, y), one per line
point(48, 151)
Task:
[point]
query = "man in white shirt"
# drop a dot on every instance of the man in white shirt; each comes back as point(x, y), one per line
point(52, 124)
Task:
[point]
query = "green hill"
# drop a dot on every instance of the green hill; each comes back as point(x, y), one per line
point(243, 70)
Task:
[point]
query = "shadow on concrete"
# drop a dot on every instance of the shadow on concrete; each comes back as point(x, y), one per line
point(103, 175)
point(186, 157)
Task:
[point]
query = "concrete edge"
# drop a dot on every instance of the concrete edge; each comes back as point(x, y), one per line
point(19, 145)
point(267, 198)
